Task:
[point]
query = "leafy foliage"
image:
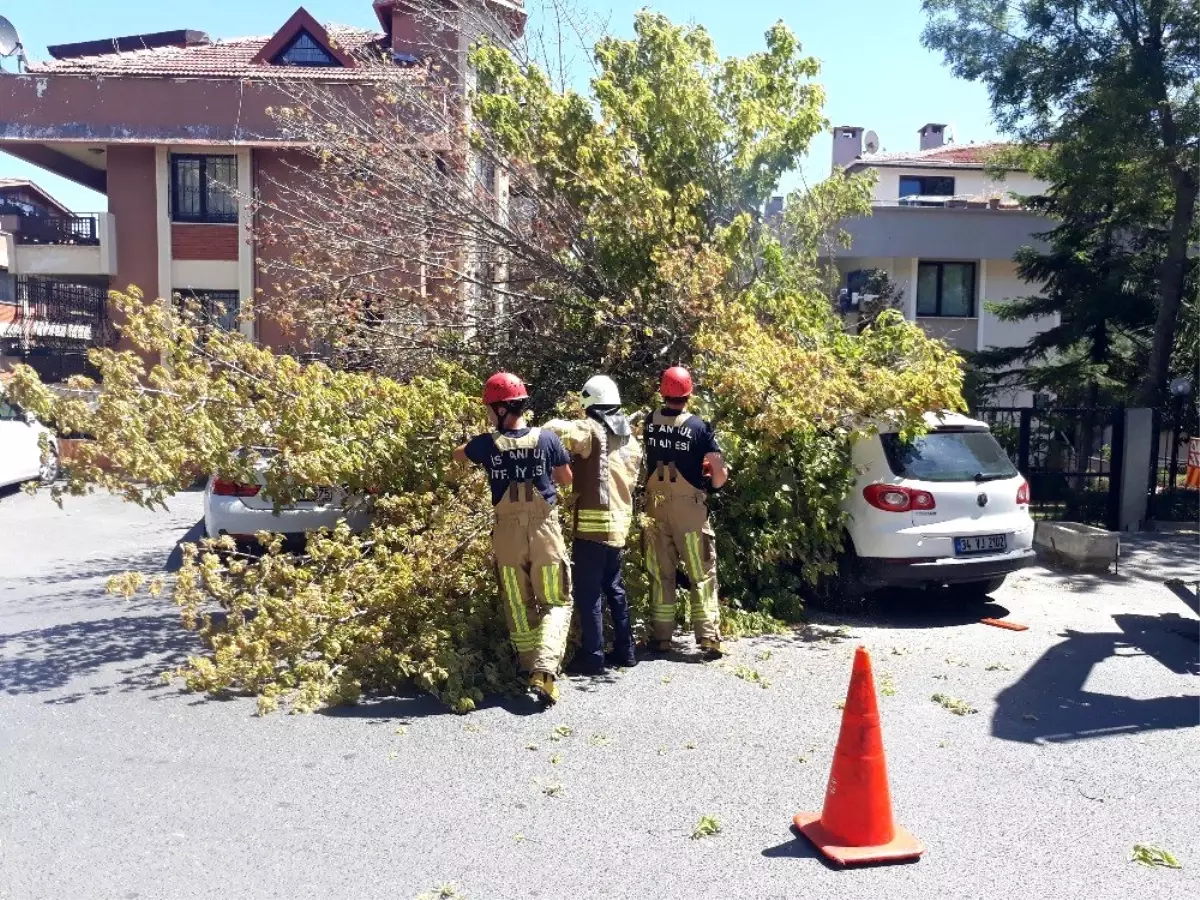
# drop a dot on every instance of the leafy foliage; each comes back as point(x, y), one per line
point(646, 248)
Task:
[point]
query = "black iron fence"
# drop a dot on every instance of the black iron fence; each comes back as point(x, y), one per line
point(1171, 498)
point(1072, 458)
point(80, 230)
point(54, 323)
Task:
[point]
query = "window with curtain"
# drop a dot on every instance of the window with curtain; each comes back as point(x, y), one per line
point(218, 308)
point(202, 188)
point(946, 289)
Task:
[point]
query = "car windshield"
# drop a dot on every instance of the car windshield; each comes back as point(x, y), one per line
point(948, 456)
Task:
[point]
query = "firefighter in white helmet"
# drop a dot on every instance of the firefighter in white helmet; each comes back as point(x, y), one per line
point(605, 460)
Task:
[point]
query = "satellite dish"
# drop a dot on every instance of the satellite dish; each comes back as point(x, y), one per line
point(948, 135)
point(10, 43)
point(9, 40)
point(871, 142)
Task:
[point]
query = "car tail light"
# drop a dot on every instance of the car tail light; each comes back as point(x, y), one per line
point(894, 498)
point(223, 487)
point(1023, 494)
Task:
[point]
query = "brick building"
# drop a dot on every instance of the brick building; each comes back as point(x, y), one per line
point(162, 123)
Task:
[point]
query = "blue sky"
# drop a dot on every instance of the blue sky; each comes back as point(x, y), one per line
point(875, 71)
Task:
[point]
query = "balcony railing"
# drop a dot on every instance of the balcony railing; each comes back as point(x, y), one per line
point(77, 230)
point(56, 315)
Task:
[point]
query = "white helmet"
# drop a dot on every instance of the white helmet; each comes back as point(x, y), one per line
point(600, 390)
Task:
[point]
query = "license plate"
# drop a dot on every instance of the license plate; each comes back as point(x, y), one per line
point(322, 496)
point(987, 543)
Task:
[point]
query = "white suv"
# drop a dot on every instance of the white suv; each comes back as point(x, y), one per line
point(946, 509)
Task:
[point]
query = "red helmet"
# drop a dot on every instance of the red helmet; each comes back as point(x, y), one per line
point(676, 382)
point(504, 387)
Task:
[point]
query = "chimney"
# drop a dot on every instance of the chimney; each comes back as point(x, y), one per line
point(932, 135)
point(847, 145)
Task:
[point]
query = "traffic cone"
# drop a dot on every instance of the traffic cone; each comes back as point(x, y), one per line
point(856, 824)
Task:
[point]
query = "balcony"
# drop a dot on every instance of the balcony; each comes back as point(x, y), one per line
point(78, 245)
point(943, 228)
point(45, 315)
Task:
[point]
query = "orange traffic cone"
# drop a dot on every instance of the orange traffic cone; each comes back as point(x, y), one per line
point(856, 824)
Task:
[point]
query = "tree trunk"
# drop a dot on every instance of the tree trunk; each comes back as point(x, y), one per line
point(1172, 278)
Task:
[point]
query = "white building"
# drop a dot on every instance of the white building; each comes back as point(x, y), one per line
point(945, 230)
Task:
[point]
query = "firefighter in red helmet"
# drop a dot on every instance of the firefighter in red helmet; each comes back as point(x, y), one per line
point(523, 464)
point(683, 464)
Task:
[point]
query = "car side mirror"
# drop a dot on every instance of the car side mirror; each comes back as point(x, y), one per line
point(30, 418)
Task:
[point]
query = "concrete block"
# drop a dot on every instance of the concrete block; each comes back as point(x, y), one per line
point(1077, 546)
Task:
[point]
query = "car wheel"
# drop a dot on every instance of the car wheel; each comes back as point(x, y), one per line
point(843, 591)
point(48, 473)
point(977, 588)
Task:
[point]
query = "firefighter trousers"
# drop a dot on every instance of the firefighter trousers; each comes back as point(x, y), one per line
point(535, 578)
point(597, 574)
point(678, 530)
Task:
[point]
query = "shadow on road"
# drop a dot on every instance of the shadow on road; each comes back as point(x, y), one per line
point(46, 659)
point(1049, 704)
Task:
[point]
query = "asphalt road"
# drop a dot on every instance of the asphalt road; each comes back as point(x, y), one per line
point(113, 785)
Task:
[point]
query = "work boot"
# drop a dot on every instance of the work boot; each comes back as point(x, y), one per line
point(620, 662)
point(543, 686)
point(711, 649)
point(653, 646)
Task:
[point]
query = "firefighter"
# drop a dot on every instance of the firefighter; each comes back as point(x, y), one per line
point(683, 465)
point(523, 464)
point(605, 459)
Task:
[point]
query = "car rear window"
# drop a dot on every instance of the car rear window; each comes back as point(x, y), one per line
point(948, 456)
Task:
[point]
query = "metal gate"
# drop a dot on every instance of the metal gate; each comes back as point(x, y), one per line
point(1072, 458)
point(50, 324)
point(1172, 499)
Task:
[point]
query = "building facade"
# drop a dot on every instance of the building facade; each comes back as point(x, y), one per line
point(177, 130)
point(945, 229)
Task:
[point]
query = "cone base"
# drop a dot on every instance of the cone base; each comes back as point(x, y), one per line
point(903, 846)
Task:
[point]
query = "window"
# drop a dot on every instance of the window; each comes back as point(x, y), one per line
point(305, 51)
point(202, 188)
point(219, 308)
point(946, 289)
point(948, 456)
point(926, 186)
point(8, 288)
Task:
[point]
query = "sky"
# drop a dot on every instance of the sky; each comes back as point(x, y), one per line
point(875, 72)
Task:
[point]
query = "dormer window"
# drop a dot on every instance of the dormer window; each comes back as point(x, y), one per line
point(304, 50)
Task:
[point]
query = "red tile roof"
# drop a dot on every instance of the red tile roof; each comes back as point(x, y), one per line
point(231, 58)
point(953, 155)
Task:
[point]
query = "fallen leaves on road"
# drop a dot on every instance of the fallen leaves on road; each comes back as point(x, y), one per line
point(1029, 717)
point(599, 740)
point(447, 891)
point(886, 686)
point(706, 827)
point(1149, 855)
point(998, 667)
point(955, 661)
point(956, 706)
point(752, 675)
point(561, 731)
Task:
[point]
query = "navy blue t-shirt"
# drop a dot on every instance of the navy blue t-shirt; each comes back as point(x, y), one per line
point(686, 445)
point(535, 464)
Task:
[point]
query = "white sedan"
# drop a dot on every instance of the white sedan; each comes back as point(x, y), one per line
point(241, 510)
point(21, 448)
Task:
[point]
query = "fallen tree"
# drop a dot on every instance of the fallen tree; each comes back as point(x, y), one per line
point(642, 245)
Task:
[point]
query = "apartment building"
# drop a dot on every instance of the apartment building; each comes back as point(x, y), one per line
point(945, 228)
point(164, 124)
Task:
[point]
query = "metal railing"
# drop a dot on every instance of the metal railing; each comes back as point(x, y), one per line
point(79, 230)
